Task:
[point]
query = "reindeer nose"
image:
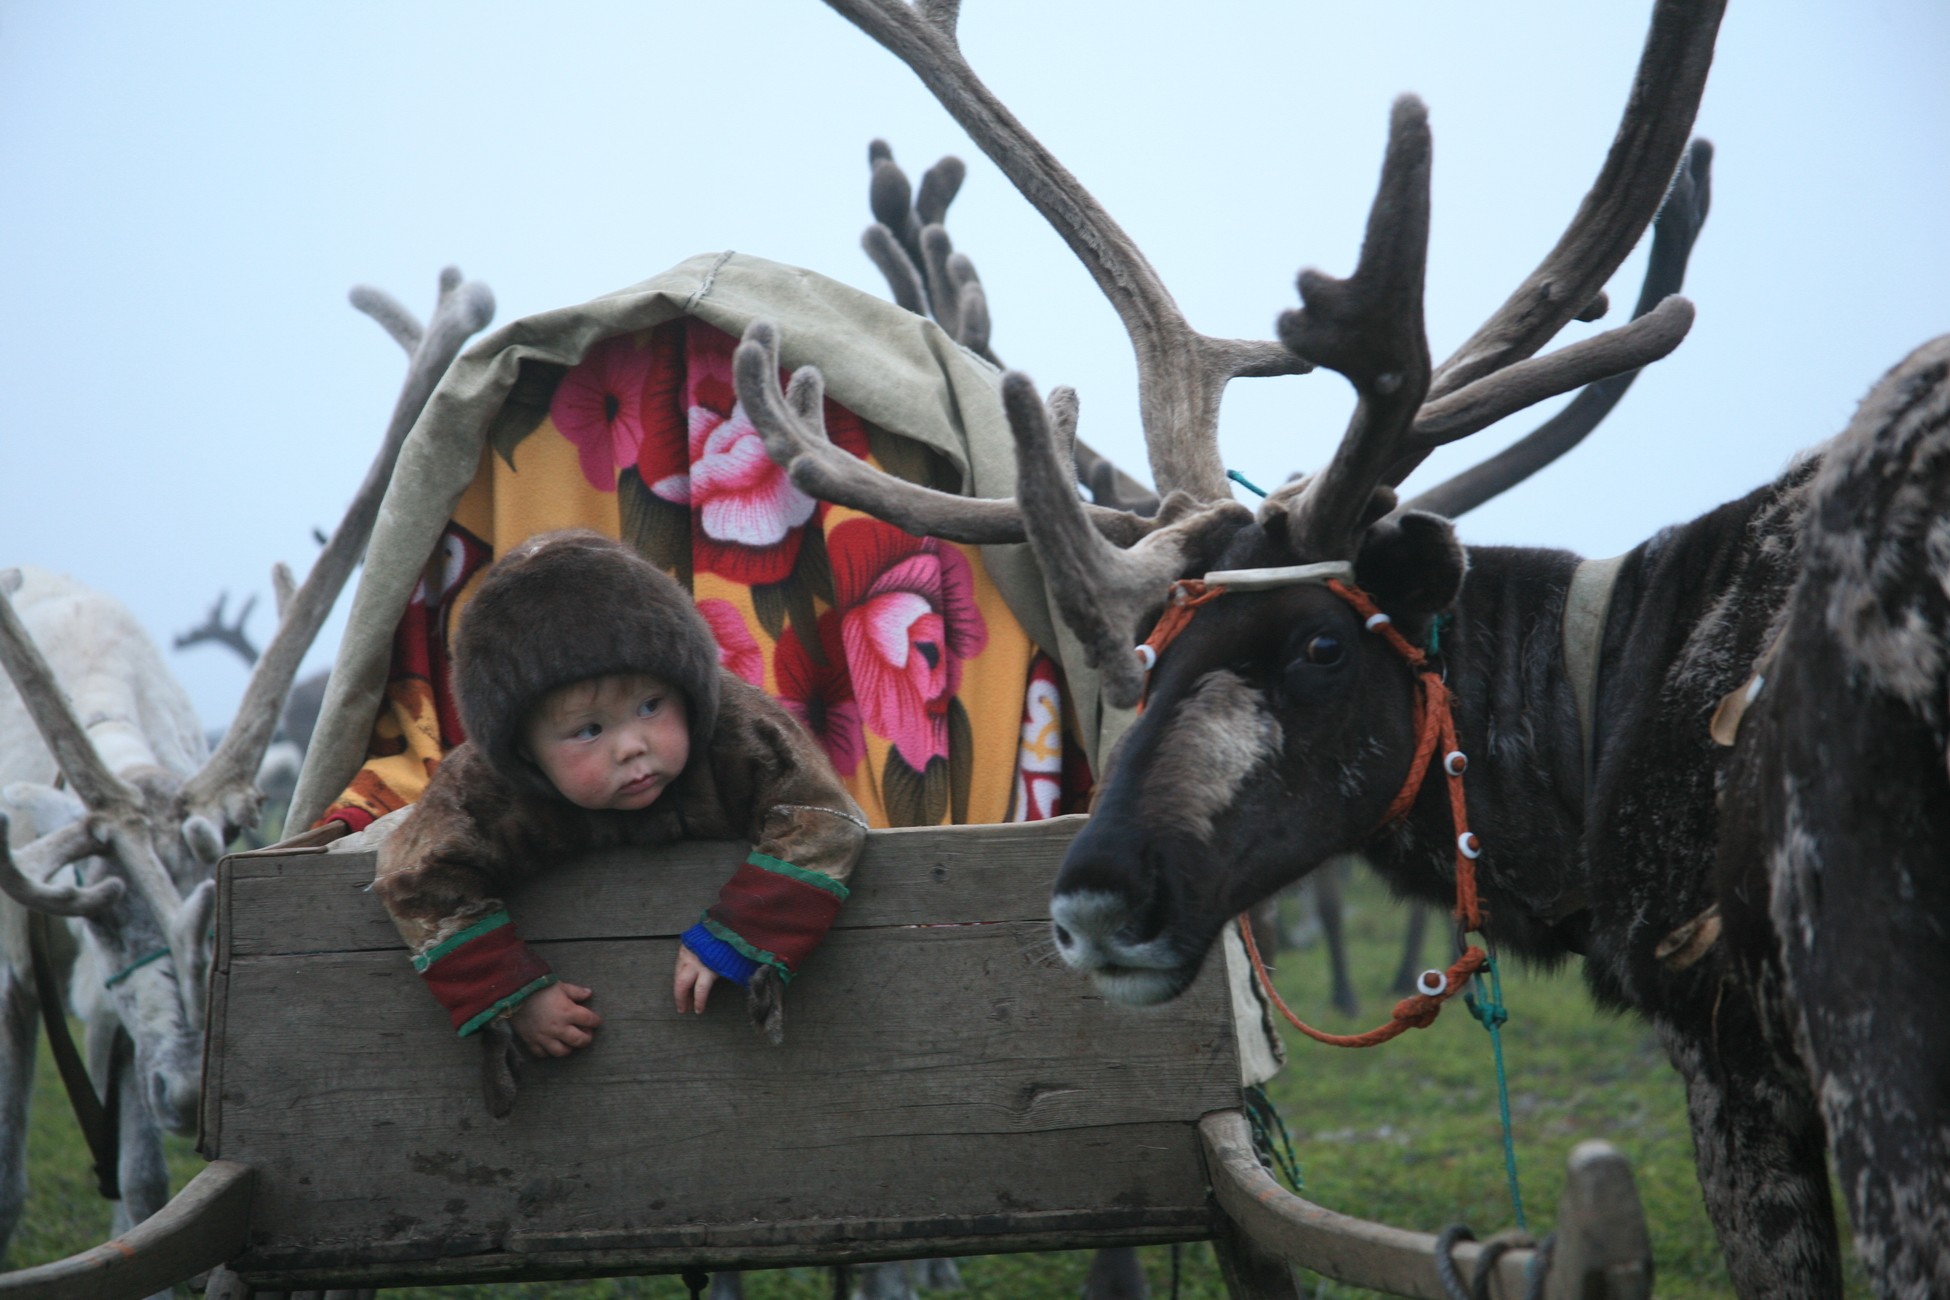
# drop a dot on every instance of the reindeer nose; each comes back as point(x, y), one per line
point(174, 1102)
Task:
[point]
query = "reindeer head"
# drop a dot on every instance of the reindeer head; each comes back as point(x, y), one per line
point(1277, 729)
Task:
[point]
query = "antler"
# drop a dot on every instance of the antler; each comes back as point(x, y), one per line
point(23, 880)
point(213, 628)
point(1105, 592)
point(912, 249)
point(1673, 233)
point(1492, 376)
point(794, 430)
point(223, 790)
point(902, 240)
point(1652, 135)
point(1181, 373)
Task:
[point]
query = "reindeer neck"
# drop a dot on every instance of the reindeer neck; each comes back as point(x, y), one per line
point(1691, 610)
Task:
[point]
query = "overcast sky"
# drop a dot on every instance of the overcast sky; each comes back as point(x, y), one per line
point(187, 191)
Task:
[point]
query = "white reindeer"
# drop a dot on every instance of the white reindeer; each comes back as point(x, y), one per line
point(113, 812)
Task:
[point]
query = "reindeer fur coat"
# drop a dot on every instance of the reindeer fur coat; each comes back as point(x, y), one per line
point(562, 608)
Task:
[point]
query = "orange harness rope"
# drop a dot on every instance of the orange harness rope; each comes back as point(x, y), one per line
point(1435, 720)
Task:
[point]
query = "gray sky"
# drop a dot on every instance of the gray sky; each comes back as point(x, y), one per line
point(187, 191)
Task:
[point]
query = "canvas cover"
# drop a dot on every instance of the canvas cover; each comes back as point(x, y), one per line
point(936, 675)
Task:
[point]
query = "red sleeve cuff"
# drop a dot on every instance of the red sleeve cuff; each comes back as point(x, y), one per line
point(357, 819)
point(774, 912)
point(481, 972)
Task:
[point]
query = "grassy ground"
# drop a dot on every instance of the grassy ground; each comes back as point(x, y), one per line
point(1406, 1133)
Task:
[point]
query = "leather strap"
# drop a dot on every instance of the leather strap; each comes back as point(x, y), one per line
point(98, 1127)
point(1586, 606)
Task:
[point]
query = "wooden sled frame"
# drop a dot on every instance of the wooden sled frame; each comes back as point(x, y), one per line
point(952, 1090)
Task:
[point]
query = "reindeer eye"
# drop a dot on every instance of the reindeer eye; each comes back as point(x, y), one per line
point(1323, 650)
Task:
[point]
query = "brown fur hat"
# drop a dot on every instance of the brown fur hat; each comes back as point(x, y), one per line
point(564, 607)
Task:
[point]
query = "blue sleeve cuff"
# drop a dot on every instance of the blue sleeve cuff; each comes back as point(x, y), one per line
point(720, 956)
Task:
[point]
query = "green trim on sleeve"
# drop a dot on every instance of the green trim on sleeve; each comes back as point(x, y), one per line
point(513, 1000)
point(758, 955)
point(817, 879)
point(472, 932)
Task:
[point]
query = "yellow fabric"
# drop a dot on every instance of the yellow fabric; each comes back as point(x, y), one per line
point(546, 488)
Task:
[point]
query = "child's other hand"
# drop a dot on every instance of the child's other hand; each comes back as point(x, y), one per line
point(694, 981)
point(554, 1022)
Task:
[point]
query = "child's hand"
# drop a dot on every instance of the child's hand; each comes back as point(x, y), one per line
point(554, 1022)
point(694, 981)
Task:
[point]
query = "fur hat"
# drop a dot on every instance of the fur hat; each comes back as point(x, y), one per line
point(564, 607)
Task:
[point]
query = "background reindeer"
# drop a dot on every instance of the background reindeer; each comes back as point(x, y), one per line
point(106, 778)
point(1281, 721)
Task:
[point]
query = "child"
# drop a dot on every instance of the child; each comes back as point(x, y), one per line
point(596, 715)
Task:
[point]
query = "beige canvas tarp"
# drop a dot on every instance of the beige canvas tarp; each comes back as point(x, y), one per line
point(888, 365)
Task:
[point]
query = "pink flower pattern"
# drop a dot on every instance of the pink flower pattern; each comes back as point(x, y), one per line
point(820, 695)
point(747, 513)
point(737, 647)
point(908, 621)
point(598, 406)
point(890, 655)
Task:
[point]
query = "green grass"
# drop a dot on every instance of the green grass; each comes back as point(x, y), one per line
point(1408, 1133)
point(1405, 1133)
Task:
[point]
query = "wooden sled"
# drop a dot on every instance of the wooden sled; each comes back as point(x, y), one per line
point(946, 1087)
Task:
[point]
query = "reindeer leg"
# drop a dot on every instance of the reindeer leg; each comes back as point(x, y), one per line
point(1327, 900)
point(1115, 1274)
point(887, 1281)
point(1758, 1143)
point(19, 1029)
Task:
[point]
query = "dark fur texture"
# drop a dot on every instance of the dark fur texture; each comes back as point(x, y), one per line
point(564, 607)
point(759, 778)
point(1607, 871)
point(1835, 858)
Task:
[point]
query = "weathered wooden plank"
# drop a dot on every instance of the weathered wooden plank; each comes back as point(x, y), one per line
point(203, 1226)
point(951, 1071)
point(917, 876)
point(836, 1242)
point(1373, 1255)
point(1604, 1251)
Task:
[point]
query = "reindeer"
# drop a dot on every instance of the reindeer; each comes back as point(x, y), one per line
point(117, 790)
point(1291, 713)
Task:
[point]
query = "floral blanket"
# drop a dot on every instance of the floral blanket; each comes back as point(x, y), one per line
point(897, 652)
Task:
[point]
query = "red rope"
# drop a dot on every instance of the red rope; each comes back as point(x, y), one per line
point(1415, 1012)
point(1435, 721)
point(1187, 595)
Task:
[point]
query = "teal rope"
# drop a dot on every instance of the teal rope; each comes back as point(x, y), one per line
point(1242, 481)
point(1492, 1014)
point(1265, 1119)
point(133, 967)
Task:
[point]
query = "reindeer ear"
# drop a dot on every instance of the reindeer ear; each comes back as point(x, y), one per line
point(1412, 564)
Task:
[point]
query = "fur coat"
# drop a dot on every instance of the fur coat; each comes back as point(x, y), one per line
point(562, 608)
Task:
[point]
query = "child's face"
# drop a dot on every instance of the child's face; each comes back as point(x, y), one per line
point(611, 742)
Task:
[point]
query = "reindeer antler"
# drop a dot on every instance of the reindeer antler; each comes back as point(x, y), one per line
point(1492, 375)
point(1673, 232)
point(794, 430)
point(1182, 373)
point(223, 790)
point(214, 629)
point(913, 251)
point(24, 880)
